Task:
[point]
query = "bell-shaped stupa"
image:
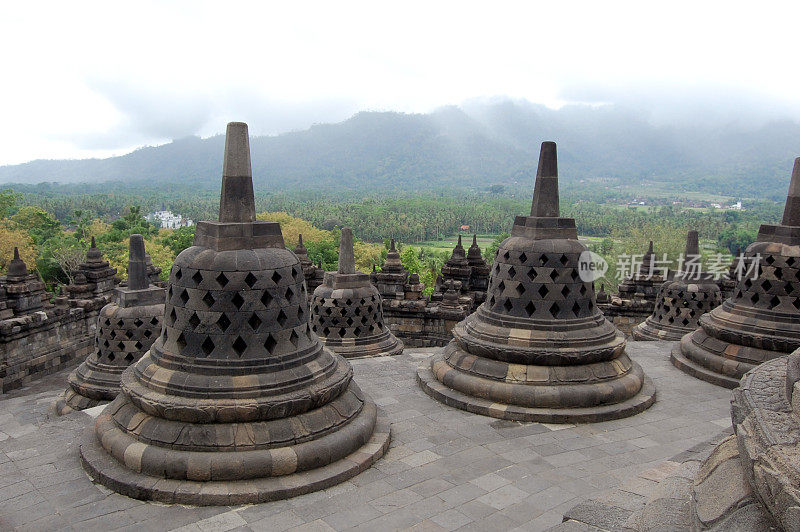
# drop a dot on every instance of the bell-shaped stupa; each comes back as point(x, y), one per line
point(347, 310)
point(681, 302)
point(761, 321)
point(237, 401)
point(126, 328)
point(539, 349)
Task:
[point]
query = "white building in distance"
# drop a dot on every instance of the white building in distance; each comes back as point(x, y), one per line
point(169, 220)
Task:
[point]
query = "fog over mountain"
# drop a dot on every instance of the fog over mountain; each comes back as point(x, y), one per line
point(709, 147)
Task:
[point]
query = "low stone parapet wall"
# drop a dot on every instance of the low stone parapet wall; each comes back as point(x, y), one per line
point(44, 342)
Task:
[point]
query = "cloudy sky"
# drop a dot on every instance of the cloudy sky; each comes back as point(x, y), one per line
point(93, 79)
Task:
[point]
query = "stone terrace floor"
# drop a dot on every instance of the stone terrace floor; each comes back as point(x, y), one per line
point(446, 469)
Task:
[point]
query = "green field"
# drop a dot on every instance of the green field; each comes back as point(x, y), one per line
point(447, 244)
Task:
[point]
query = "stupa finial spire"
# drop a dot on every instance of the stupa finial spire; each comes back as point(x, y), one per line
point(237, 201)
point(692, 245)
point(137, 264)
point(791, 213)
point(392, 248)
point(347, 261)
point(545, 190)
point(650, 248)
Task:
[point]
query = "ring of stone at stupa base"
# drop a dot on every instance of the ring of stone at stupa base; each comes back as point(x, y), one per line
point(106, 470)
point(748, 327)
point(638, 388)
point(717, 361)
point(649, 331)
point(69, 401)
point(199, 435)
point(578, 343)
point(380, 345)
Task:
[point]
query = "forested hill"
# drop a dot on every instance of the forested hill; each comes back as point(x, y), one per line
point(476, 146)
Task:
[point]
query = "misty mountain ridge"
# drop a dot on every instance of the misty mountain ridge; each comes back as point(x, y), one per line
point(476, 145)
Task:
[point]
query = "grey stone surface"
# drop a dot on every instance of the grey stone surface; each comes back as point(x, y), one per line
point(441, 459)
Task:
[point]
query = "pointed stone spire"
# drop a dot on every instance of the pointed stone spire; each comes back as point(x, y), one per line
point(301, 251)
point(17, 268)
point(648, 264)
point(137, 264)
point(692, 244)
point(392, 248)
point(791, 213)
point(458, 251)
point(94, 255)
point(474, 253)
point(692, 268)
point(237, 201)
point(545, 190)
point(347, 260)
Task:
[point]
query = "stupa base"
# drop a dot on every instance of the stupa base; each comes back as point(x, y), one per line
point(70, 401)
point(606, 412)
point(645, 332)
point(106, 470)
point(389, 347)
point(691, 356)
point(88, 388)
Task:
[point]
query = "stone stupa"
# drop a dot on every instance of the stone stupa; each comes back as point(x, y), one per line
point(761, 321)
point(457, 268)
point(681, 302)
point(347, 310)
point(95, 277)
point(237, 401)
point(539, 349)
point(25, 291)
point(479, 276)
point(392, 279)
point(646, 280)
point(126, 328)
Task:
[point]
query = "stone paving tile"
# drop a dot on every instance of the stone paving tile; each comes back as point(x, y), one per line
point(446, 469)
